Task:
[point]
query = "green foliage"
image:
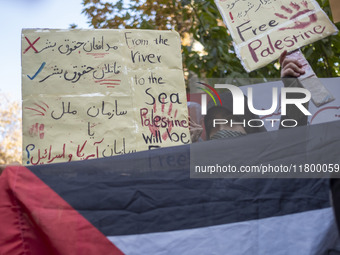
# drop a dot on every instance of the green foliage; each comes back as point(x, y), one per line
point(201, 21)
point(324, 55)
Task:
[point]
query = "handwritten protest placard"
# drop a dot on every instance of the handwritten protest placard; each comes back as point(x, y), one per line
point(98, 93)
point(263, 29)
point(335, 8)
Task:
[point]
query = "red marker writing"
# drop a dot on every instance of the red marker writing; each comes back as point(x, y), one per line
point(231, 17)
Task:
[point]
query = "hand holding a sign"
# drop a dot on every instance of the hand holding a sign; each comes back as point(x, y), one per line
point(261, 30)
point(295, 65)
point(290, 66)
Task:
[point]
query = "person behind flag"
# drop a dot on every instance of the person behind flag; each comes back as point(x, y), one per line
point(291, 69)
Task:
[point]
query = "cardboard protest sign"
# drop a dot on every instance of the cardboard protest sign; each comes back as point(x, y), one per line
point(335, 7)
point(99, 93)
point(263, 29)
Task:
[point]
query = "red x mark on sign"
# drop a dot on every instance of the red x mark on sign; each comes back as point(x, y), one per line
point(31, 45)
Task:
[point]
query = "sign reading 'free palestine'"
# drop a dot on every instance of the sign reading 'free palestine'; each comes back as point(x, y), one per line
point(263, 29)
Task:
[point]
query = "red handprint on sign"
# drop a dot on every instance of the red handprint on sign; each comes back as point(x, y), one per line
point(37, 130)
point(295, 10)
point(159, 121)
point(167, 120)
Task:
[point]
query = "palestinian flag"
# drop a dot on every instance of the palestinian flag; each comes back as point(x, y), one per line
point(146, 203)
